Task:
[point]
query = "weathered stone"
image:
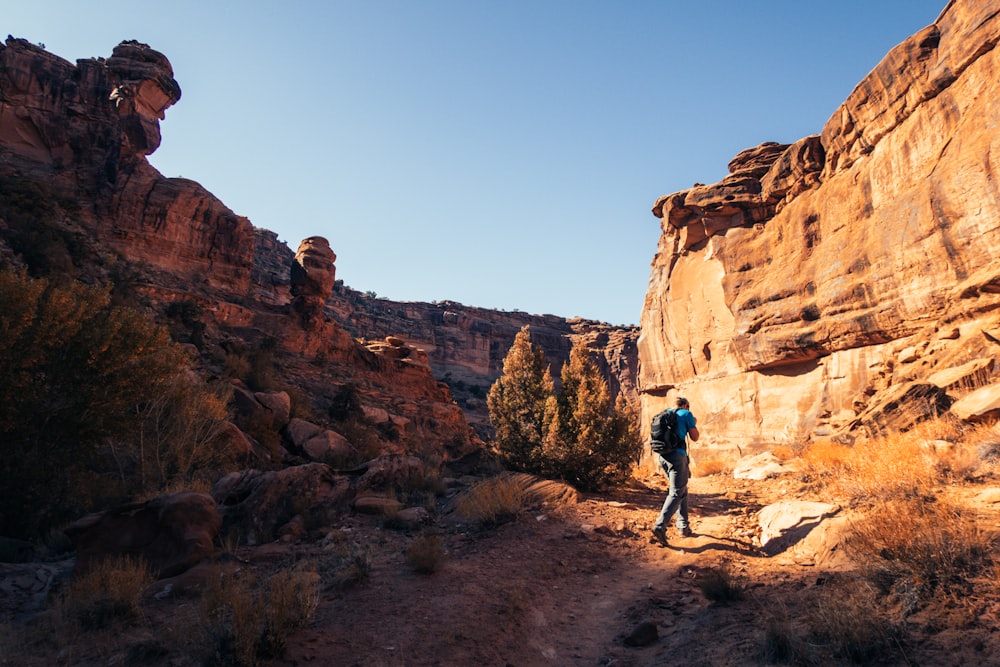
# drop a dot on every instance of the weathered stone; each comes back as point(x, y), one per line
point(170, 533)
point(328, 445)
point(980, 405)
point(377, 505)
point(300, 431)
point(279, 404)
point(760, 466)
point(785, 523)
point(780, 308)
point(256, 504)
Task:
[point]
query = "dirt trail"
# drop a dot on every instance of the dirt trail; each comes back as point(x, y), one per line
point(559, 589)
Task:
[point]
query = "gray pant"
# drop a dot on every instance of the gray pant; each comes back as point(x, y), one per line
point(675, 465)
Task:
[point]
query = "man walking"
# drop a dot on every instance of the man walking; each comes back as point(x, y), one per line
point(675, 464)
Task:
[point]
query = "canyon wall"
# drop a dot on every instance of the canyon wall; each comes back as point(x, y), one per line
point(465, 345)
point(846, 283)
point(73, 144)
point(82, 132)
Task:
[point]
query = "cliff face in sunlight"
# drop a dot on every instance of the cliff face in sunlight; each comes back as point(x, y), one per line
point(79, 135)
point(847, 282)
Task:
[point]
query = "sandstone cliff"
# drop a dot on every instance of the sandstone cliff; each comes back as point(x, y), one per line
point(73, 144)
point(846, 282)
point(465, 346)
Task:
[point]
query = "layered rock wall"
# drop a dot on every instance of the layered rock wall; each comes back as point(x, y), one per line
point(816, 289)
point(86, 129)
point(465, 346)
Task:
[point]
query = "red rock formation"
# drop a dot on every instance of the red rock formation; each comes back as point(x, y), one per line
point(818, 286)
point(463, 345)
point(86, 131)
point(171, 533)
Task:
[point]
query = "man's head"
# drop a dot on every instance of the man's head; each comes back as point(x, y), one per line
point(683, 403)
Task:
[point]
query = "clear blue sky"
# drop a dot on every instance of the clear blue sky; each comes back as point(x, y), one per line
point(503, 154)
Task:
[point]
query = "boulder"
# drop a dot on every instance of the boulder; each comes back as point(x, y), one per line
point(278, 403)
point(785, 523)
point(255, 505)
point(300, 431)
point(378, 505)
point(171, 533)
point(760, 466)
point(328, 445)
point(981, 405)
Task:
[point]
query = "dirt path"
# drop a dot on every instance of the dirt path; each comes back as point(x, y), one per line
point(557, 589)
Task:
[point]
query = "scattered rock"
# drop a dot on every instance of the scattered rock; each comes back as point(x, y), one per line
point(642, 635)
point(784, 523)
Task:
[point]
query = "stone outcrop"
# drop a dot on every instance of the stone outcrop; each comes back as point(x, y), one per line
point(86, 130)
point(171, 533)
point(81, 133)
point(814, 290)
point(464, 346)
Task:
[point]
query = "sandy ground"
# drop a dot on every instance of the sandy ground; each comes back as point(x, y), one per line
point(566, 587)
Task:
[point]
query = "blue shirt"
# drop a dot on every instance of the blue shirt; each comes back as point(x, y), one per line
point(685, 422)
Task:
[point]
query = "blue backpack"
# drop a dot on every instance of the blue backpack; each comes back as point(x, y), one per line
point(663, 433)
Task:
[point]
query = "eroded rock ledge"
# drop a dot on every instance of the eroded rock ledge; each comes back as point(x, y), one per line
point(817, 287)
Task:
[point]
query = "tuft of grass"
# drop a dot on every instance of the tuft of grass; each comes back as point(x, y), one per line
point(343, 563)
point(426, 553)
point(245, 620)
point(492, 501)
point(782, 644)
point(913, 549)
point(720, 584)
point(846, 622)
point(108, 592)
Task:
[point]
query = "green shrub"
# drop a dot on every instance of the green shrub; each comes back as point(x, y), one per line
point(77, 373)
point(578, 434)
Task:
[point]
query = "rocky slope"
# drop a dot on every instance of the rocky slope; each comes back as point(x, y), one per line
point(465, 345)
point(847, 282)
point(78, 189)
point(84, 131)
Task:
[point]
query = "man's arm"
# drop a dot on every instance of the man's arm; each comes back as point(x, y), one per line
point(693, 434)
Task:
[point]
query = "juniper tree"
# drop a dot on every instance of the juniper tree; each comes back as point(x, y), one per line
point(592, 442)
point(521, 405)
point(578, 435)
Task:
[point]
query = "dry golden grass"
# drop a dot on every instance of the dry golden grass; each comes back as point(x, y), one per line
point(110, 591)
point(784, 452)
point(913, 549)
point(893, 466)
point(493, 500)
point(245, 620)
point(847, 624)
point(426, 553)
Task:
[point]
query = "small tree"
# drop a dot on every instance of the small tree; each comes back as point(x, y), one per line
point(592, 443)
point(578, 435)
point(521, 405)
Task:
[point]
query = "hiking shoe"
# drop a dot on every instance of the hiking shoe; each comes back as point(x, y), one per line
point(686, 532)
point(659, 536)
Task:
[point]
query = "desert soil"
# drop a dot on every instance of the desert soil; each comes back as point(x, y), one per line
point(567, 586)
